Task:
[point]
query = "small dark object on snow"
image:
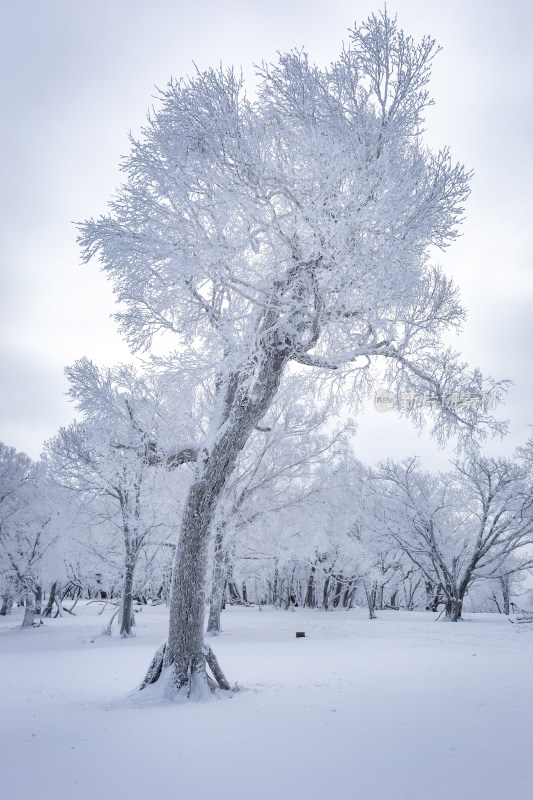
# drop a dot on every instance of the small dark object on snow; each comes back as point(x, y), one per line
point(300, 634)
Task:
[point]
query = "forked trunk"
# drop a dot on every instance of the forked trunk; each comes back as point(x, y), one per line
point(454, 608)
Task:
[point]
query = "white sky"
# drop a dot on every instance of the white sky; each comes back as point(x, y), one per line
point(77, 76)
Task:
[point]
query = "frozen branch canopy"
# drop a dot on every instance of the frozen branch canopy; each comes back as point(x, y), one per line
point(292, 228)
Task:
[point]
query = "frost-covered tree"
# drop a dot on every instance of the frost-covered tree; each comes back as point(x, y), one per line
point(113, 463)
point(26, 510)
point(287, 232)
point(16, 470)
point(354, 563)
point(458, 527)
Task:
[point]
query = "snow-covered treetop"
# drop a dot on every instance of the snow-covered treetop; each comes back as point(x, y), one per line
point(299, 220)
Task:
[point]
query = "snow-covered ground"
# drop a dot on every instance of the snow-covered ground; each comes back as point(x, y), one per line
point(401, 708)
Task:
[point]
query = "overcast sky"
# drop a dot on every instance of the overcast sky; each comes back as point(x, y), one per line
point(77, 76)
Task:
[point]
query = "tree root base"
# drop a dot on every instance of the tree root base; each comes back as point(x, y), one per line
point(215, 682)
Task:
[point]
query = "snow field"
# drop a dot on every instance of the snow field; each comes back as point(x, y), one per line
point(401, 707)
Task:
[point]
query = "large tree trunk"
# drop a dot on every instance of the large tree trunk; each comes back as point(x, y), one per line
point(185, 648)
point(241, 408)
point(455, 595)
point(454, 608)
